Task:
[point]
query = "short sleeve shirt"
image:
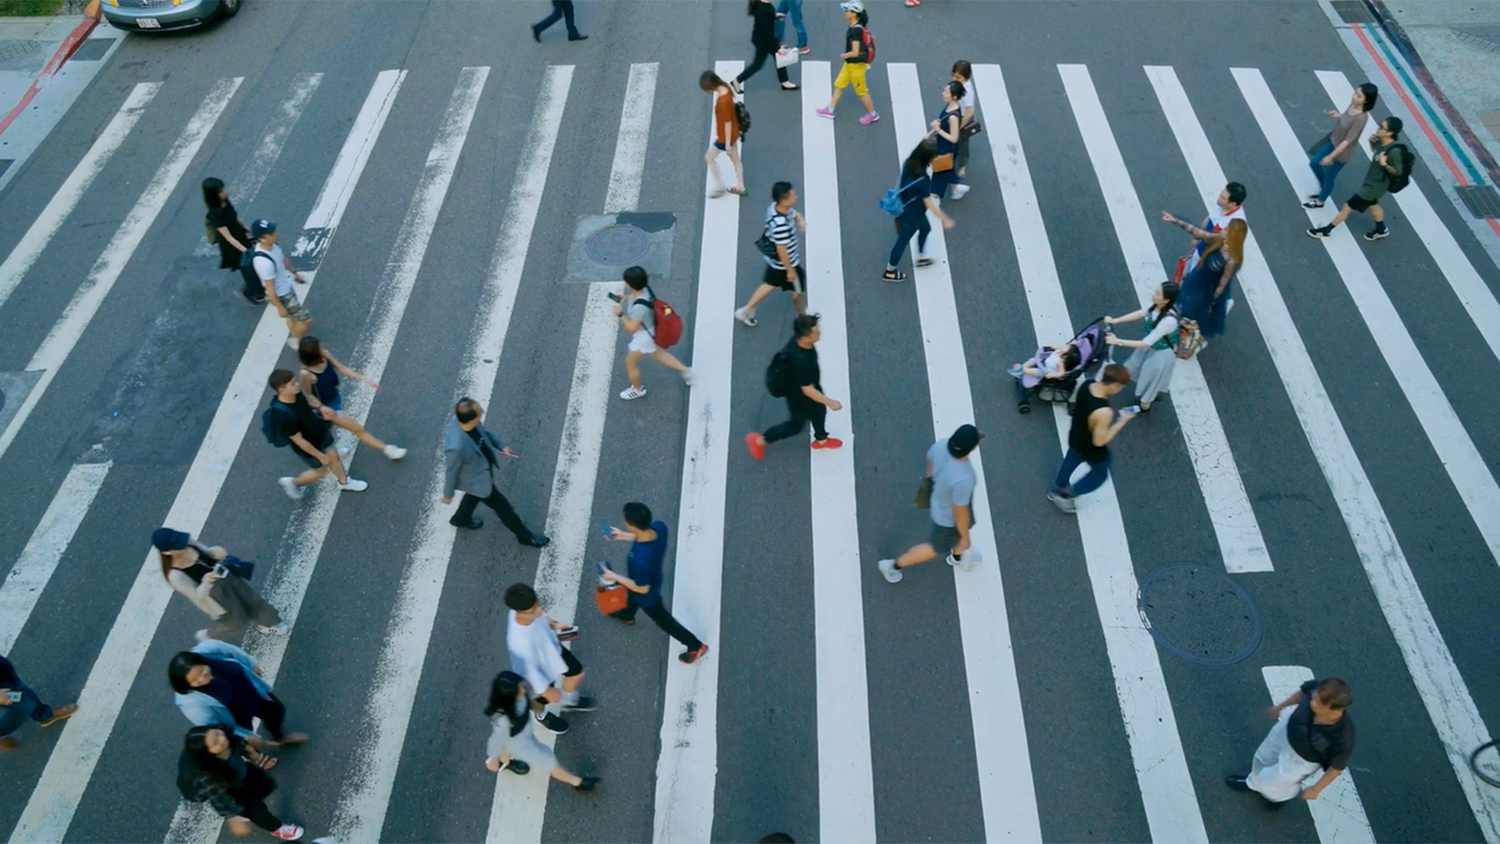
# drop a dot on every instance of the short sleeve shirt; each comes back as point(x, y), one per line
point(1350, 124)
point(855, 35)
point(643, 310)
point(782, 229)
point(1329, 745)
point(305, 421)
point(914, 192)
point(802, 365)
point(1377, 179)
point(725, 113)
point(968, 99)
point(952, 483)
point(644, 566)
point(224, 217)
point(273, 267)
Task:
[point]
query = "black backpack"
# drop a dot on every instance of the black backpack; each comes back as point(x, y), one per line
point(779, 375)
point(742, 116)
point(270, 425)
point(247, 268)
point(1403, 167)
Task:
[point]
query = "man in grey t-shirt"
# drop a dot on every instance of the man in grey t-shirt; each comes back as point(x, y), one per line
point(952, 480)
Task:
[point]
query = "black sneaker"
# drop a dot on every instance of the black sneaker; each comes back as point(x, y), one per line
point(474, 524)
point(587, 783)
point(1320, 232)
point(538, 540)
point(1377, 233)
point(1313, 203)
point(584, 704)
point(1237, 782)
point(516, 766)
point(553, 723)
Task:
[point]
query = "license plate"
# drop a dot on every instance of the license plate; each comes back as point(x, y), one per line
point(148, 23)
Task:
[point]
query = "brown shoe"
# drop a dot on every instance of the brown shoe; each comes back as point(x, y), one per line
point(8, 744)
point(59, 713)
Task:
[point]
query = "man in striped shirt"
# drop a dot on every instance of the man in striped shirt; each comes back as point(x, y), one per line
point(778, 245)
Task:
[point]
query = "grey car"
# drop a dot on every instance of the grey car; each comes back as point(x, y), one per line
point(158, 15)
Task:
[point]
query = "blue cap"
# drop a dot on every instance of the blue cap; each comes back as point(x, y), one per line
point(262, 227)
point(166, 539)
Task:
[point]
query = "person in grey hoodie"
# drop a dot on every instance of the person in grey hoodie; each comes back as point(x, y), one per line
point(469, 455)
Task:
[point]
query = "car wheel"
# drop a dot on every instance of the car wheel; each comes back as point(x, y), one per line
point(229, 8)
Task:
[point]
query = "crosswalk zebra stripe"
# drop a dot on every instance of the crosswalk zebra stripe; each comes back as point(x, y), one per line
point(1433, 670)
point(1338, 813)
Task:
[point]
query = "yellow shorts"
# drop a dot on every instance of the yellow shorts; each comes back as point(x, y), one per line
point(853, 72)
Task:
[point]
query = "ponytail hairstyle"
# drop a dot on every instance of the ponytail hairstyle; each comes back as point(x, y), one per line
point(956, 90)
point(1169, 291)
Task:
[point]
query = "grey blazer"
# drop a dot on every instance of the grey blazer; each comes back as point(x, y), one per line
point(464, 466)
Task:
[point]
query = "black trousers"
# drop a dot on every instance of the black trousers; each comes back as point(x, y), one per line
point(803, 411)
point(495, 501)
point(761, 54)
point(252, 793)
point(658, 613)
point(273, 715)
point(561, 10)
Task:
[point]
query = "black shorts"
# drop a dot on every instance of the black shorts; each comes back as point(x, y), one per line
point(311, 461)
point(1360, 204)
point(574, 669)
point(777, 278)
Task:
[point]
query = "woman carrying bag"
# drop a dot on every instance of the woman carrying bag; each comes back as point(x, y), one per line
point(763, 36)
point(218, 768)
point(224, 227)
point(513, 746)
point(1154, 360)
point(216, 583)
point(945, 131)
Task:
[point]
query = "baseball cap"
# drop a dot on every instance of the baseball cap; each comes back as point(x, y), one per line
point(852, 5)
point(262, 227)
point(166, 539)
point(964, 440)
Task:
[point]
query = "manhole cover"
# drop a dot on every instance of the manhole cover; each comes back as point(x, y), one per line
point(619, 245)
point(1199, 614)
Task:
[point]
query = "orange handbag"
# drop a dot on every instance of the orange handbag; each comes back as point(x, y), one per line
point(611, 599)
point(1181, 268)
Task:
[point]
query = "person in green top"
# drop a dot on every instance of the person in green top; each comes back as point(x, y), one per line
point(1392, 160)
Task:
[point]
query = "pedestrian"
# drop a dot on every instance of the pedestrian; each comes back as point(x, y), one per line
point(915, 194)
point(766, 43)
point(1155, 358)
point(320, 384)
point(224, 228)
point(963, 74)
point(512, 740)
point(216, 583)
point(1094, 426)
point(551, 671)
point(293, 422)
point(219, 768)
point(795, 369)
point(944, 131)
point(18, 702)
point(1207, 290)
point(1229, 205)
point(470, 456)
point(1329, 155)
point(218, 683)
point(274, 269)
point(784, 269)
point(792, 9)
point(642, 581)
point(857, 55)
point(949, 492)
point(726, 135)
point(637, 311)
point(1313, 732)
point(1389, 172)
point(562, 10)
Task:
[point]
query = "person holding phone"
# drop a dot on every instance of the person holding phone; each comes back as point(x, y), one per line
point(18, 702)
point(217, 584)
point(218, 683)
point(648, 550)
point(1094, 426)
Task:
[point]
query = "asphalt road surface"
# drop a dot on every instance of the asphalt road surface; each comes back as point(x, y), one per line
point(1326, 469)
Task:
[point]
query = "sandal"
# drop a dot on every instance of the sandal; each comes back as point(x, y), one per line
point(893, 275)
point(716, 193)
point(739, 192)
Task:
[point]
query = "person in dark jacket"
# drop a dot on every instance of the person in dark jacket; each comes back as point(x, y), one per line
point(763, 36)
point(224, 227)
point(470, 453)
point(220, 769)
point(218, 683)
point(18, 702)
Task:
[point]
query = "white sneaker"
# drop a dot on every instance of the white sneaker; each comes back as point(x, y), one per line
point(687, 377)
point(278, 630)
point(354, 485)
point(394, 452)
point(892, 574)
point(746, 317)
point(631, 393)
point(971, 559)
point(291, 489)
point(959, 191)
point(201, 635)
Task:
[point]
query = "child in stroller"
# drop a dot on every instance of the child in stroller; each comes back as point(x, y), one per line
point(1052, 374)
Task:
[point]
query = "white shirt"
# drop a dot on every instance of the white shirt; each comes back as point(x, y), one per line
point(535, 652)
point(1217, 222)
point(967, 102)
point(276, 269)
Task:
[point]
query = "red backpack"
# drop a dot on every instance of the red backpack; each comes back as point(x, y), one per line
point(869, 44)
point(668, 322)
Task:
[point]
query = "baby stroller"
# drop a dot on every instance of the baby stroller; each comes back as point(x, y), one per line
point(1093, 352)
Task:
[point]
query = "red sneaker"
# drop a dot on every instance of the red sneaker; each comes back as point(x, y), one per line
point(690, 657)
point(831, 442)
point(757, 445)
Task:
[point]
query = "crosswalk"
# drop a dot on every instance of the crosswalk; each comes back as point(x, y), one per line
point(1007, 777)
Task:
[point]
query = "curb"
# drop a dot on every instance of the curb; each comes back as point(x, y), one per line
point(65, 51)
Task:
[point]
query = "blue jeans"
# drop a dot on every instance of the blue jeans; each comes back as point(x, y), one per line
point(909, 228)
point(1098, 473)
point(792, 9)
point(562, 10)
point(30, 706)
point(1326, 175)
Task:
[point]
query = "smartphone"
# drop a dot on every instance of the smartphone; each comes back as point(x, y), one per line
point(15, 697)
point(220, 570)
point(609, 532)
point(615, 297)
point(603, 567)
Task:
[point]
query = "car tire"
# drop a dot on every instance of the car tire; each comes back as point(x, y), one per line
point(228, 8)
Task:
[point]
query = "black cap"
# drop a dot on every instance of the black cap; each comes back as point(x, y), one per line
point(262, 227)
point(964, 440)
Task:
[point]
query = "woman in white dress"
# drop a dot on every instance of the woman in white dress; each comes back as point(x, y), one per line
point(1155, 357)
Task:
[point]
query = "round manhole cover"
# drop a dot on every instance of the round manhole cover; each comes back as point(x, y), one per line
point(1200, 614)
point(619, 245)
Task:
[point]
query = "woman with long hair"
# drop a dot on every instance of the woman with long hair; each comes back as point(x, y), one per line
point(218, 768)
point(1207, 291)
point(763, 37)
point(1154, 359)
point(944, 131)
point(224, 227)
point(915, 189)
point(211, 579)
point(1328, 156)
point(726, 134)
point(320, 383)
point(218, 683)
point(511, 738)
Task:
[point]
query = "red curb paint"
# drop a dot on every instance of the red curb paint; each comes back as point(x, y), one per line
point(65, 51)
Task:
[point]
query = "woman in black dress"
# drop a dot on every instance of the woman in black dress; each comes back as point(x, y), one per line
point(225, 228)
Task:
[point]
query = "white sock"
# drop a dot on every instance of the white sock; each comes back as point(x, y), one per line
point(570, 698)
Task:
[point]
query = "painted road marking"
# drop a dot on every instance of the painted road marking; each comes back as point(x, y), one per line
point(846, 788)
point(47, 223)
point(1416, 633)
point(1007, 791)
point(1167, 792)
point(59, 343)
point(1455, 449)
point(1241, 544)
point(519, 808)
point(33, 569)
point(1338, 813)
point(687, 769)
point(360, 815)
point(50, 809)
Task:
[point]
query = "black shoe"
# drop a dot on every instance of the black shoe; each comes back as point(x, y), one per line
point(578, 38)
point(1274, 805)
point(1237, 782)
point(587, 784)
point(538, 540)
point(1313, 203)
point(692, 656)
point(516, 766)
point(1377, 233)
point(1320, 232)
point(536, 34)
point(474, 524)
point(584, 704)
point(254, 300)
point(553, 723)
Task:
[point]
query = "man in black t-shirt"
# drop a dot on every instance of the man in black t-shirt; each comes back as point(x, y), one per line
point(309, 435)
point(1317, 734)
point(804, 398)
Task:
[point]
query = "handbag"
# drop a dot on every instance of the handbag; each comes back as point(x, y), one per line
point(970, 129)
point(1181, 268)
point(210, 232)
point(923, 499)
point(942, 163)
point(611, 599)
point(786, 57)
